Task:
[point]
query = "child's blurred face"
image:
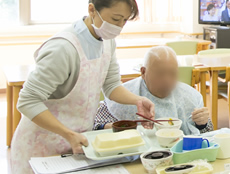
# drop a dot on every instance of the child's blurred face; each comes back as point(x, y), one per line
point(212, 11)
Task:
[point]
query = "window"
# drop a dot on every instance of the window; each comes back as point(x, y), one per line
point(9, 12)
point(57, 11)
point(68, 11)
point(160, 11)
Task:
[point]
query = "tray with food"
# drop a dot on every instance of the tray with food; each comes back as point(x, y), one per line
point(106, 144)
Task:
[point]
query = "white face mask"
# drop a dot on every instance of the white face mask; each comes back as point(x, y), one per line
point(106, 31)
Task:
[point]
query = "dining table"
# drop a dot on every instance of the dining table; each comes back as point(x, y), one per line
point(215, 64)
point(124, 43)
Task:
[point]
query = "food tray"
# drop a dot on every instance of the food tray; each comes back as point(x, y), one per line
point(206, 153)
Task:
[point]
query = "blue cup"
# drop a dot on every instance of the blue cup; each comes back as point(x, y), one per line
point(192, 143)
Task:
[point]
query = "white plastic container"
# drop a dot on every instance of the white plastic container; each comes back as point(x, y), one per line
point(127, 141)
point(224, 141)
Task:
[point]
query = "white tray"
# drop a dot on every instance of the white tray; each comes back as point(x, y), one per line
point(148, 136)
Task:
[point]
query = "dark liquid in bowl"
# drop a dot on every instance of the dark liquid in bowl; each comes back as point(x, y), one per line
point(178, 168)
point(125, 125)
point(158, 155)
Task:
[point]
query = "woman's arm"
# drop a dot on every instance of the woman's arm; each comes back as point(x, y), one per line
point(52, 70)
point(47, 121)
point(123, 96)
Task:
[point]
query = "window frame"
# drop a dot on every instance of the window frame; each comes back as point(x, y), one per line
point(25, 15)
point(24, 12)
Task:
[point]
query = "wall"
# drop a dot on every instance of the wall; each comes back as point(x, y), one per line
point(23, 54)
point(190, 22)
point(15, 55)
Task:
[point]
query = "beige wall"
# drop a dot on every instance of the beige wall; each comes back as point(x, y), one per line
point(15, 55)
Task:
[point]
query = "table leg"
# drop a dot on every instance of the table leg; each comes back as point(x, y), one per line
point(16, 113)
point(9, 126)
point(203, 86)
point(214, 97)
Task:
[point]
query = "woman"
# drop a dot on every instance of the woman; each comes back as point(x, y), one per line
point(60, 98)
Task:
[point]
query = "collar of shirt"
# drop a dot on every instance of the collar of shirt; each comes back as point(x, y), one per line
point(92, 47)
point(82, 29)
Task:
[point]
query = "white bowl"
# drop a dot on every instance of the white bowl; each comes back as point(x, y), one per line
point(151, 164)
point(169, 137)
point(166, 125)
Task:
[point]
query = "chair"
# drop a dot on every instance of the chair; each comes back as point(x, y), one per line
point(184, 47)
point(214, 51)
point(193, 77)
point(102, 98)
point(186, 74)
point(220, 52)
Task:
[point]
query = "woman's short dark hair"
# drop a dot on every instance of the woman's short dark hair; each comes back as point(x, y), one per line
point(100, 4)
point(210, 7)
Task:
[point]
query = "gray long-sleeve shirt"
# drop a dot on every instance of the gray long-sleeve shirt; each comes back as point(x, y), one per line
point(57, 70)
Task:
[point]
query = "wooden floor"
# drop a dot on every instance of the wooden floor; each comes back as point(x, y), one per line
point(5, 151)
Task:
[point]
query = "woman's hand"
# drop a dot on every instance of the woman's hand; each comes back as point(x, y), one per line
point(76, 141)
point(146, 108)
point(47, 121)
point(108, 126)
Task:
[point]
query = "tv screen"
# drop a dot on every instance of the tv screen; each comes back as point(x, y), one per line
point(214, 12)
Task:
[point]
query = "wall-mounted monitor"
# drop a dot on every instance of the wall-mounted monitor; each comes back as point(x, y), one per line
point(214, 12)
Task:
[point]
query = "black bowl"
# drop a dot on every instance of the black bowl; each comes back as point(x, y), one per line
point(124, 125)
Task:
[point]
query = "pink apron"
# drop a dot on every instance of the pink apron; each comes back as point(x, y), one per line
point(76, 111)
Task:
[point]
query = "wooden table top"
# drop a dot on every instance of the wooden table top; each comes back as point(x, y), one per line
point(150, 42)
point(17, 75)
point(215, 62)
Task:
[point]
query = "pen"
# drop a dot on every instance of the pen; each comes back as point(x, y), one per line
point(66, 155)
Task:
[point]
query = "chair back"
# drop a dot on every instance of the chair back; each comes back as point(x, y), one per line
point(214, 51)
point(185, 74)
point(184, 47)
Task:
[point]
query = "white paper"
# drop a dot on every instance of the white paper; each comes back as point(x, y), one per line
point(57, 164)
point(227, 166)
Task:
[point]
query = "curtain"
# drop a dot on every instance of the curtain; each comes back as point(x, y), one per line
point(160, 11)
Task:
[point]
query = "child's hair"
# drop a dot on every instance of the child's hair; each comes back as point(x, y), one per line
point(100, 4)
point(210, 7)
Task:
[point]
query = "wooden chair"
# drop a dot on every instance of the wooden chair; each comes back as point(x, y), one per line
point(194, 77)
point(183, 47)
point(222, 52)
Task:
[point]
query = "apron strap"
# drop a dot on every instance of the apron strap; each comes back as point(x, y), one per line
point(69, 37)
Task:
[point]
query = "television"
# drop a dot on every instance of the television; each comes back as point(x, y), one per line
point(215, 12)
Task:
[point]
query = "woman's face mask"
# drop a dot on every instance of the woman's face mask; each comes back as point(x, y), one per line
point(106, 31)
